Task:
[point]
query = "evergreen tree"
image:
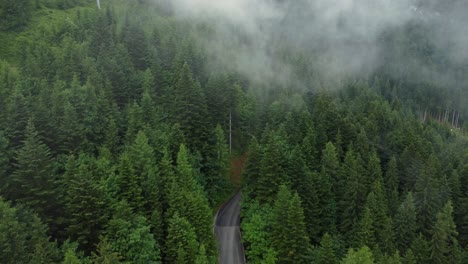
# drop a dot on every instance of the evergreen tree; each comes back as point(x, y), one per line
point(180, 237)
point(427, 195)
point(444, 244)
point(362, 256)
point(350, 202)
point(130, 236)
point(289, 237)
point(189, 109)
point(272, 173)
point(105, 254)
point(421, 249)
point(255, 231)
point(83, 197)
point(14, 14)
point(329, 178)
point(405, 224)
point(71, 258)
point(217, 166)
point(327, 252)
point(365, 233)
point(129, 183)
point(409, 257)
point(33, 182)
point(23, 237)
point(391, 186)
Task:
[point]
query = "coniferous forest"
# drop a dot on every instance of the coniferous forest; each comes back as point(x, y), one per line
point(119, 132)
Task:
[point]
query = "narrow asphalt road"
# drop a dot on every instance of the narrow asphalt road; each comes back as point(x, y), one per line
point(227, 232)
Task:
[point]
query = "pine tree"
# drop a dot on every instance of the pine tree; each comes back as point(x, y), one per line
point(180, 237)
point(329, 178)
point(409, 257)
point(365, 233)
point(289, 236)
point(272, 173)
point(189, 109)
point(24, 237)
point(216, 175)
point(5, 156)
point(362, 256)
point(255, 231)
point(421, 249)
point(350, 204)
point(129, 183)
point(83, 197)
point(33, 182)
point(105, 254)
point(444, 244)
point(15, 14)
point(326, 253)
point(405, 224)
point(143, 158)
point(382, 222)
point(391, 186)
point(130, 236)
point(252, 171)
point(427, 195)
point(71, 258)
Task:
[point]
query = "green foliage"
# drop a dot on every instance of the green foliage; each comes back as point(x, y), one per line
point(130, 237)
point(114, 128)
point(23, 237)
point(105, 254)
point(33, 182)
point(14, 14)
point(181, 241)
point(327, 251)
point(444, 244)
point(83, 195)
point(289, 236)
point(362, 256)
point(405, 224)
point(255, 232)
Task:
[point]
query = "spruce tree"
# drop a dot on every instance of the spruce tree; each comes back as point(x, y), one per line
point(444, 244)
point(405, 224)
point(427, 195)
point(365, 232)
point(326, 253)
point(129, 183)
point(180, 237)
point(391, 186)
point(33, 181)
point(289, 235)
point(362, 256)
point(83, 197)
point(350, 204)
point(329, 178)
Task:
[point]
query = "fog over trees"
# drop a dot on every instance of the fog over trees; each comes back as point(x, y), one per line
point(125, 126)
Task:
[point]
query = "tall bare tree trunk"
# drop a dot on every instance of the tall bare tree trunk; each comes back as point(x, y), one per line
point(98, 2)
point(453, 118)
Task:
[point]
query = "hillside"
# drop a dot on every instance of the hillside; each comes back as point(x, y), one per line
point(116, 124)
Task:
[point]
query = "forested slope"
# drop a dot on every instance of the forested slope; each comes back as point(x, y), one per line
point(114, 147)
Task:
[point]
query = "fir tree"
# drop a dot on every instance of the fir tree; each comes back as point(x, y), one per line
point(326, 253)
point(405, 224)
point(444, 244)
point(33, 182)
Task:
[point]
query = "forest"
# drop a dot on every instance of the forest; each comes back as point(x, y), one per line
point(119, 128)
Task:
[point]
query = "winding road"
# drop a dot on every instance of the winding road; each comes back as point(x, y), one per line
point(228, 234)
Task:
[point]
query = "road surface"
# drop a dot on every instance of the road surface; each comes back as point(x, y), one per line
point(227, 232)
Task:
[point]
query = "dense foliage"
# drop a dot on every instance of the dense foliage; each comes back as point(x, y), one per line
point(114, 149)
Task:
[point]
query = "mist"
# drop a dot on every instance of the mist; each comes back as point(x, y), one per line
point(334, 39)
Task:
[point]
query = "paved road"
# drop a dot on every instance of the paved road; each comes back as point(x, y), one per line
point(228, 232)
